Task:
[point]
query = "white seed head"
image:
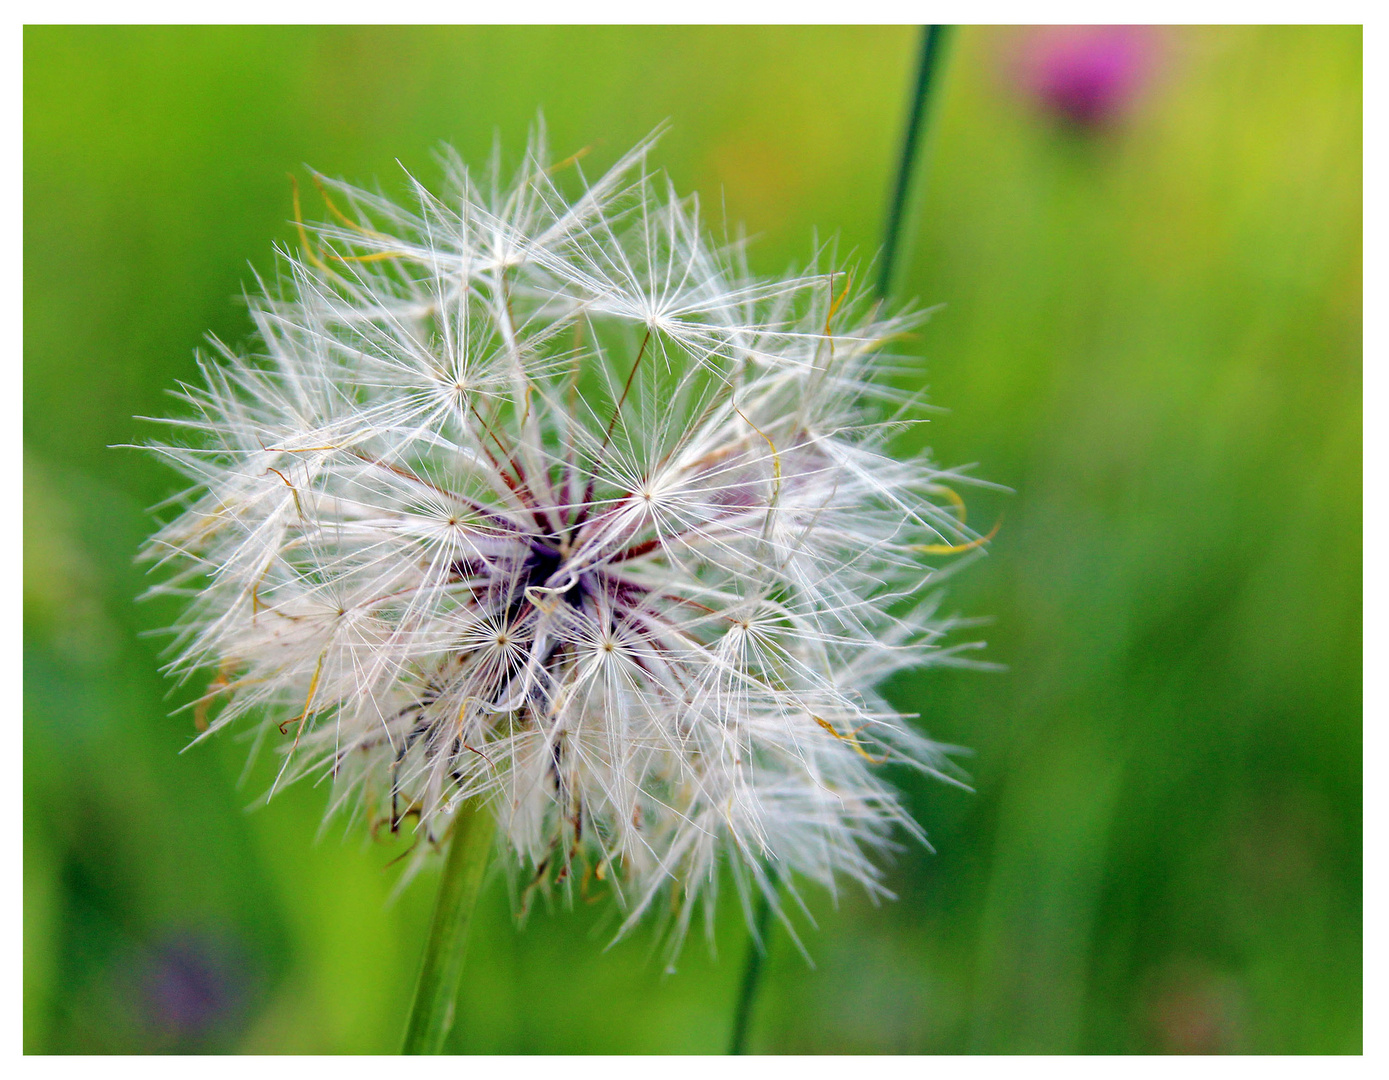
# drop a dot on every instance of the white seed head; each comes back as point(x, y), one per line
point(548, 503)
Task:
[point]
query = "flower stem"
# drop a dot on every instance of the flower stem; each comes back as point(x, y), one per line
point(431, 1013)
point(932, 46)
point(752, 975)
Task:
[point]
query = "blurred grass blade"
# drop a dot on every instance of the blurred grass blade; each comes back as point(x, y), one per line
point(932, 42)
point(932, 45)
point(432, 1012)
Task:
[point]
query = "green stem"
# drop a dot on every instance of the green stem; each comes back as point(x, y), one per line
point(932, 46)
point(928, 63)
point(431, 1013)
point(752, 975)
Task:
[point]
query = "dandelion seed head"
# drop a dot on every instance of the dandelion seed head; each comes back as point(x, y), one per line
point(533, 495)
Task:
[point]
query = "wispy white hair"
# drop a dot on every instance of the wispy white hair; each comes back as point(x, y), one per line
point(546, 502)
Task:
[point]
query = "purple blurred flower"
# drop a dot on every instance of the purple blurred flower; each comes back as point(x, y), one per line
point(1087, 75)
point(191, 986)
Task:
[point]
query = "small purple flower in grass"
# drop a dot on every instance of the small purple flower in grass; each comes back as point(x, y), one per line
point(191, 986)
point(1089, 76)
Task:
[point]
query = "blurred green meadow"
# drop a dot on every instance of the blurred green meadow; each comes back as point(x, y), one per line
point(1150, 331)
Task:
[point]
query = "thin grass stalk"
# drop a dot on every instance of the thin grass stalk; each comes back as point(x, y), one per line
point(928, 64)
point(933, 40)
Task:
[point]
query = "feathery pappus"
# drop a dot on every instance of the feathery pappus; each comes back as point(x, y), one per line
point(543, 500)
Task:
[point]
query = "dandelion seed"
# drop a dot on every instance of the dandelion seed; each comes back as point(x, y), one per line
point(548, 504)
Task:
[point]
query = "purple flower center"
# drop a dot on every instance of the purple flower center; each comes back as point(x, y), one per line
point(1088, 75)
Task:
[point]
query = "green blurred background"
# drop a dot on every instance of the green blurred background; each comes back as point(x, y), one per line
point(1151, 332)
